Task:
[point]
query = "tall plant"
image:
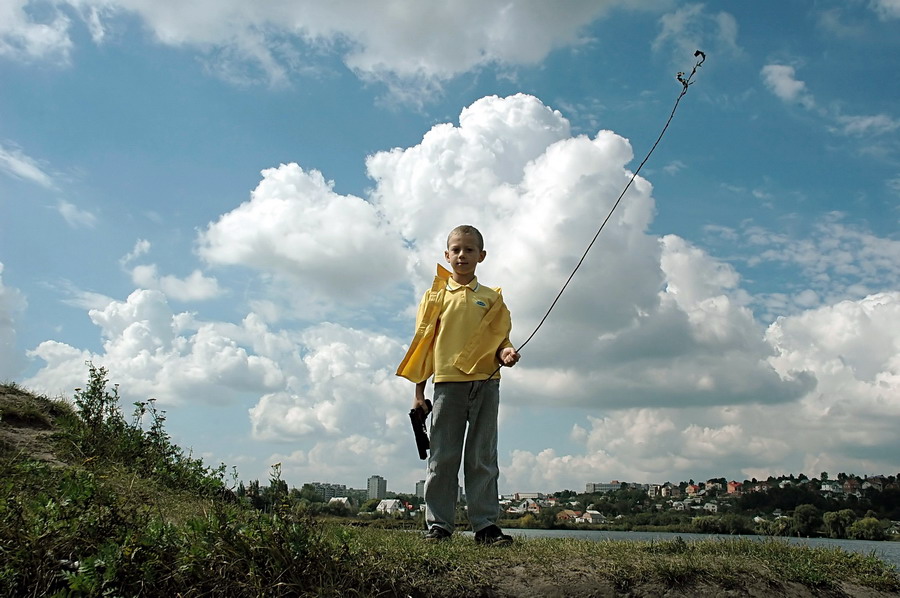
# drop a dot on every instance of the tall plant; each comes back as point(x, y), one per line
point(103, 435)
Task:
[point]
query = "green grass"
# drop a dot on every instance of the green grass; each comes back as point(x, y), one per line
point(110, 524)
point(85, 533)
point(727, 563)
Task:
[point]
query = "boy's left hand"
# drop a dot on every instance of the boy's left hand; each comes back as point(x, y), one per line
point(508, 357)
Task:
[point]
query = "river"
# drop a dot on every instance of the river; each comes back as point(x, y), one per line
point(886, 551)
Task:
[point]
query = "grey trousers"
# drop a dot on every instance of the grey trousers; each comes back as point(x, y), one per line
point(457, 404)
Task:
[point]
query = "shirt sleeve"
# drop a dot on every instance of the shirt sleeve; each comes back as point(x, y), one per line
point(420, 312)
point(418, 363)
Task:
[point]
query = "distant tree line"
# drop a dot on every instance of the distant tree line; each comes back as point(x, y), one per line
point(796, 509)
point(276, 496)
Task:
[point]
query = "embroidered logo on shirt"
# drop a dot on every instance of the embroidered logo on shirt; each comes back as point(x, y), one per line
point(480, 302)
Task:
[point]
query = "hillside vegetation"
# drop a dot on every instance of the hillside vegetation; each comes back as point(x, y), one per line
point(99, 505)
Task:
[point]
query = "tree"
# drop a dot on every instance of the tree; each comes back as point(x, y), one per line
point(336, 508)
point(736, 524)
point(886, 503)
point(823, 476)
point(778, 527)
point(722, 524)
point(837, 522)
point(807, 520)
point(411, 499)
point(309, 492)
point(254, 493)
point(547, 517)
point(867, 528)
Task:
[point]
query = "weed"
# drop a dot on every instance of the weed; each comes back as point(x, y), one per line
point(102, 436)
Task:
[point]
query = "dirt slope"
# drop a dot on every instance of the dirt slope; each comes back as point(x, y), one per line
point(26, 425)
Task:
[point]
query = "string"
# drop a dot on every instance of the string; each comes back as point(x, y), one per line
point(685, 83)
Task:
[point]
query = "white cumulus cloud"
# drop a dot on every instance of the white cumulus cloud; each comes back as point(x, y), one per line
point(781, 79)
point(410, 41)
point(538, 194)
point(194, 287)
point(349, 379)
point(296, 226)
point(853, 347)
point(154, 352)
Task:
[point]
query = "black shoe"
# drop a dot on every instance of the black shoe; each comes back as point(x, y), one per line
point(436, 534)
point(492, 536)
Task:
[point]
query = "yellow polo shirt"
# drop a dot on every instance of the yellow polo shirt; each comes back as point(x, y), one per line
point(459, 329)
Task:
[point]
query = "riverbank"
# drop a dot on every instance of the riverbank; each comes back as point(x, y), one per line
point(547, 567)
point(886, 551)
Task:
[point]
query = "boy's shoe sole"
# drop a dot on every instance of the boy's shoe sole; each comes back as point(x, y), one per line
point(436, 534)
point(493, 537)
point(502, 540)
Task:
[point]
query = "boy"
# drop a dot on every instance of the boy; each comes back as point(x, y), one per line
point(462, 337)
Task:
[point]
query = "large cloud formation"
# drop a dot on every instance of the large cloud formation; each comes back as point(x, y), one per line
point(654, 340)
point(155, 352)
point(405, 40)
point(638, 306)
point(295, 226)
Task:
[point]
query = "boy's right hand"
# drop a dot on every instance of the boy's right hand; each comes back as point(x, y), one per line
point(419, 401)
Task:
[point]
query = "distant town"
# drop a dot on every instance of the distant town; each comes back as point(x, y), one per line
point(843, 506)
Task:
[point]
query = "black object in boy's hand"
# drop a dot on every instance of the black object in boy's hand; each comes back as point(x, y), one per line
point(417, 417)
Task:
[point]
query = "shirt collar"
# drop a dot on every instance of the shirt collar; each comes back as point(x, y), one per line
point(452, 285)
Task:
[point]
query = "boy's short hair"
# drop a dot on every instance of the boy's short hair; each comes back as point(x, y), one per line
point(467, 229)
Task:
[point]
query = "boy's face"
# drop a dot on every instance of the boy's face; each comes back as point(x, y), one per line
point(463, 254)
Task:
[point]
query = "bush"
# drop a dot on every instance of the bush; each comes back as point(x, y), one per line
point(867, 528)
point(780, 526)
point(807, 520)
point(723, 524)
point(837, 522)
point(101, 435)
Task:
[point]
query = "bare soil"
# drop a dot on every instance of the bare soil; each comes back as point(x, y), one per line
point(26, 426)
point(578, 581)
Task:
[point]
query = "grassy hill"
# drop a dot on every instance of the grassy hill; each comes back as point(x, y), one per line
point(95, 505)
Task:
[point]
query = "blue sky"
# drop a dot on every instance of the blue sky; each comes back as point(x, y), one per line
point(235, 208)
